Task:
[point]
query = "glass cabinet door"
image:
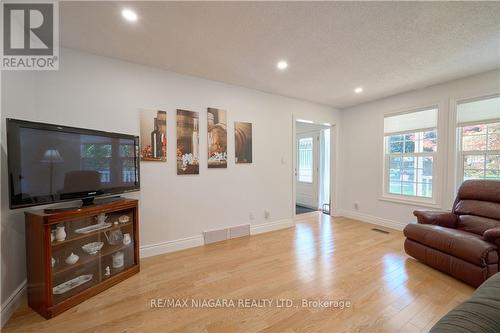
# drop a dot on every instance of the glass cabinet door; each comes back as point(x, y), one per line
point(89, 250)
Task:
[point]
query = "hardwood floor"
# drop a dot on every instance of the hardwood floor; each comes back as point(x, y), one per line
point(321, 258)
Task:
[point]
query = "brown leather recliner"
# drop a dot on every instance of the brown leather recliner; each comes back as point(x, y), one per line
point(465, 242)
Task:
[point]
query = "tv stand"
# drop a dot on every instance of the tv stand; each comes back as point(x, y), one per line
point(63, 270)
point(86, 202)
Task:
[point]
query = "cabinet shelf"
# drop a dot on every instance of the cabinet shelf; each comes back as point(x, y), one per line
point(86, 258)
point(77, 236)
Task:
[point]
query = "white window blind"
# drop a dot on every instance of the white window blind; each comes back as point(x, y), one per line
point(410, 122)
point(479, 111)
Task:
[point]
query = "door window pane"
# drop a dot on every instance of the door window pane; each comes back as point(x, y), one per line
point(305, 160)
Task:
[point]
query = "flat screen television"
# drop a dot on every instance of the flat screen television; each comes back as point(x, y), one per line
point(53, 163)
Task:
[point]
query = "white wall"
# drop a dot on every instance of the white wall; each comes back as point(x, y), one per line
point(361, 152)
point(105, 94)
point(17, 97)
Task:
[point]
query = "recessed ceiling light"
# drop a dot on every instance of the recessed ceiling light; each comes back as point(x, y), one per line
point(358, 90)
point(129, 15)
point(327, 124)
point(305, 121)
point(282, 65)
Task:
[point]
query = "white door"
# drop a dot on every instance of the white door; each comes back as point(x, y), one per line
point(307, 170)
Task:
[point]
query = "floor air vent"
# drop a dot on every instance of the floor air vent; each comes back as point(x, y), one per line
point(380, 230)
point(213, 236)
point(239, 231)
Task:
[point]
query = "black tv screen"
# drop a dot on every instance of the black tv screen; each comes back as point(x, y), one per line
point(52, 163)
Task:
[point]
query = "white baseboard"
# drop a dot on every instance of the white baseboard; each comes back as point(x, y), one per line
point(397, 225)
point(11, 304)
point(170, 246)
point(194, 241)
point(271, 226)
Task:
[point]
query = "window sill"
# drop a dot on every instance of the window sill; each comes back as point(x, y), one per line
point(410, 201)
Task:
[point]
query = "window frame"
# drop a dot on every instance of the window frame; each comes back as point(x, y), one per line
point(457, 130)
point(434, 201)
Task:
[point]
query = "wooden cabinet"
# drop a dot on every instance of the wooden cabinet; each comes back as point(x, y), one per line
point(75, 254)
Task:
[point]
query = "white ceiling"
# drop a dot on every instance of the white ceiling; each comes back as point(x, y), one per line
point(331, 47)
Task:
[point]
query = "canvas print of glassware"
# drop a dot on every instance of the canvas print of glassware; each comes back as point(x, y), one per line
point(153, 125)
point(217, 138)
point(188, 142)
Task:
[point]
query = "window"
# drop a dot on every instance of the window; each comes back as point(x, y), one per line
point(305, 160)
point(127, 154)
point(97, 156)
point(410, 146)
point(102, 154)
point(478, 135)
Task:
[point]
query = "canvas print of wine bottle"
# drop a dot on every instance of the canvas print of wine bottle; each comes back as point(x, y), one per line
point(188, 143)
point(153, 135)
point(217, 138)
point(243, 142)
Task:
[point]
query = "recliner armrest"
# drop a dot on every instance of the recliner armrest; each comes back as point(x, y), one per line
point(492, 235)
point(443, 219)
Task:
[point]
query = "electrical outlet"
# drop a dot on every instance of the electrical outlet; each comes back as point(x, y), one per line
point(267, 214)
point(251, 216)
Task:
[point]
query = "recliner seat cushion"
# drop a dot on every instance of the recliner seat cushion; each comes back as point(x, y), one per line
point(463, 270)
point(461, 244)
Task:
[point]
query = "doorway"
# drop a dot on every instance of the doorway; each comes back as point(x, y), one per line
point(312, 169)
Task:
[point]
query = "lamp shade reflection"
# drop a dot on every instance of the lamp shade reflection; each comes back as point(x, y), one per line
point(51, 156)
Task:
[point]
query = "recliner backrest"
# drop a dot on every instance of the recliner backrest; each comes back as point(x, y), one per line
point(478, 205)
